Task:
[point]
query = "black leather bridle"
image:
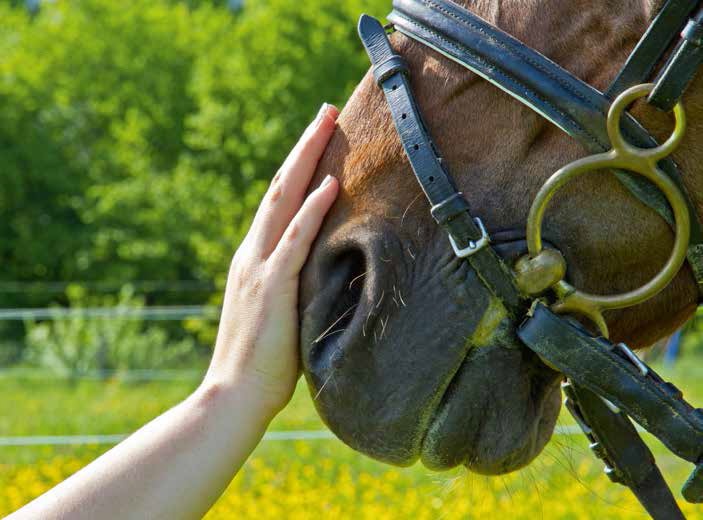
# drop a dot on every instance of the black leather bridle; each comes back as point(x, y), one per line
point(606, 384)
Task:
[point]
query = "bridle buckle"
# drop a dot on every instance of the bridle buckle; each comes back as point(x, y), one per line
point(474, 245)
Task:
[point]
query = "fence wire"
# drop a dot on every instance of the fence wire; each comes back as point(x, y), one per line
point(153, 313)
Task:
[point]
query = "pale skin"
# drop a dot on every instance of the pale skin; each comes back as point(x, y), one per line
point(177, 465)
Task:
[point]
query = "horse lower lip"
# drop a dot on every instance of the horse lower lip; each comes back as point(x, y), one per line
point(491, 427)
point(436, 427)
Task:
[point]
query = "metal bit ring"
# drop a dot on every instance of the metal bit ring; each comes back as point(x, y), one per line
point(625, 156)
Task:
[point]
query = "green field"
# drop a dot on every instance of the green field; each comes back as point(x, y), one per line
point(315, 478)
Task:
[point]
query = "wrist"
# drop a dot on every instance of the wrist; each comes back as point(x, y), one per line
point(237, 395)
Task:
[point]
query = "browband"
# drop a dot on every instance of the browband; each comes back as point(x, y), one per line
point(571, 104)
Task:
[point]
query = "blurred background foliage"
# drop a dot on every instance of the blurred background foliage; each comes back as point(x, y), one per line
point(83, 346)
point(136, 138)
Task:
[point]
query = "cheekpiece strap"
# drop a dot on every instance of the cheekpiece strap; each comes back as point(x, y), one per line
point(650, 50)
point(467, 235)
point(392, 65)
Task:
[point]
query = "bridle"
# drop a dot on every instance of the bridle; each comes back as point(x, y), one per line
point(606, 384)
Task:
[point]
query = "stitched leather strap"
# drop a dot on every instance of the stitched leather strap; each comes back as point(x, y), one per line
point(601, 367)
point(682, 66)
point(530, 77)
point(614, 373)
point(450, 208)
point(628, 460)
point(650, 50)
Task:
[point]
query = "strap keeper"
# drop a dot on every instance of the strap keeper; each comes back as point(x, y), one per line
point(449, 208)
point(391, 66)
point(693, 32)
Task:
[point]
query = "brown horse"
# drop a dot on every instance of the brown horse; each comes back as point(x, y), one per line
point(386, 348)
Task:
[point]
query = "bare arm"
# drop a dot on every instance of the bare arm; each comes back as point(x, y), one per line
point(178, 465)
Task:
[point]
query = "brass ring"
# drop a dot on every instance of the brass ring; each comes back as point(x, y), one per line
point(618, 141)
point(624, 156)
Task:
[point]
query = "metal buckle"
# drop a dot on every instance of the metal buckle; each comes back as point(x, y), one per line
point(644, 369)
point(474, 245)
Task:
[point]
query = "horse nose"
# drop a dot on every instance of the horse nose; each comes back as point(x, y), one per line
point(340, 288)
point(340, 282)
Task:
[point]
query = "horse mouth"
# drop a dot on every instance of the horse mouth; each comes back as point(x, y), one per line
point(394, 374)
point(470, 427)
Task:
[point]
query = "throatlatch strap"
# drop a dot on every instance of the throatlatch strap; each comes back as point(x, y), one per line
point(571, 104)
point(449, 208)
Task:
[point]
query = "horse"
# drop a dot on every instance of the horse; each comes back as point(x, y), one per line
point(405, 361)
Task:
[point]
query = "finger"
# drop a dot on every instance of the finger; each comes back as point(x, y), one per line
point(286, 193)
point(293, 249)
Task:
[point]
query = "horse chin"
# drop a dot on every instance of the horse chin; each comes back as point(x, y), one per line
point(497, 414)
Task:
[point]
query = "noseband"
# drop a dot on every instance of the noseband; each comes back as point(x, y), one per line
point(606, 384)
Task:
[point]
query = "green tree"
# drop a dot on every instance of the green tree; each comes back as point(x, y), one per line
point(137, 137)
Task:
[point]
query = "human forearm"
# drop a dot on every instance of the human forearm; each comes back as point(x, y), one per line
point(174, 467)
point(177, 465)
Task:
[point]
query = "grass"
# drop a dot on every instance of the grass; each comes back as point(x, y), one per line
point(319, 478)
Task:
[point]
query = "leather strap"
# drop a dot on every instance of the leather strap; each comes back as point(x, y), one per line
point(615, 373)
point(679, 71)
point(571, 104)
point(607, 370)
point(449, 208)
point(650, 50)
point(628, 460)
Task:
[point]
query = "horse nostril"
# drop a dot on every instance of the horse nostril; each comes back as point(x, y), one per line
point(343, 279)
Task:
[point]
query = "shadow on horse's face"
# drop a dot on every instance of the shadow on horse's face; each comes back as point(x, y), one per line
point(406, 353)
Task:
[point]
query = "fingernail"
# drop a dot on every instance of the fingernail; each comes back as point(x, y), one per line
point(326, 181)
point(322, 113)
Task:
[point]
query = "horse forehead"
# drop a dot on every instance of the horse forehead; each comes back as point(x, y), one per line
point(464, 113)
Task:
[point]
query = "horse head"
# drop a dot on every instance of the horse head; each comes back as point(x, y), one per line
point(406, 354)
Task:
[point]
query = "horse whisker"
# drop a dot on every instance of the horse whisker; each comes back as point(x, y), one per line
point(358, 277)
point(381, 299)
point(332, 333)
point(402, 219)
point(367, 322)
point(411, 253)
point(323, 386)
point(401, 298)
point(323, 335)
point(383, 326)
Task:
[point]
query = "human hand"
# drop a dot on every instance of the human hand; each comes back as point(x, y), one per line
point(257, 342)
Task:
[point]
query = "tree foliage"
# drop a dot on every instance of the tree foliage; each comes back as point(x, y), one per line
point(137, 137)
